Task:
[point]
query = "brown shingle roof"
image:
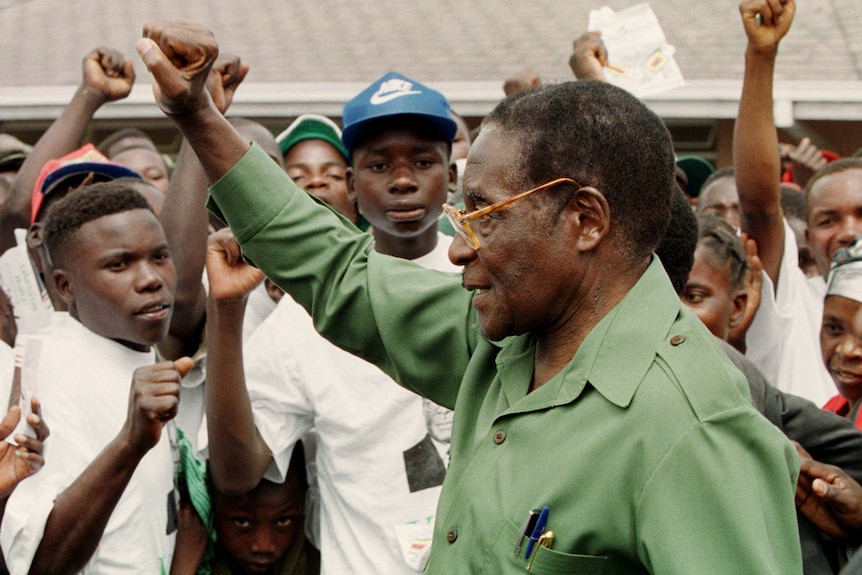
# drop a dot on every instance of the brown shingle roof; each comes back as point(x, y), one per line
point(43, 41)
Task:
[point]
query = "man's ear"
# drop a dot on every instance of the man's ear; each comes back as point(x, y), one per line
point(740, 302)
point(453, 175)
point(590, 215)
point(64, 286)
point(351, 186)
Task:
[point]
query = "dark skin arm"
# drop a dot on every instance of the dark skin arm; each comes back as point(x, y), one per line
point(192, 539)
point(755, 142)
point(186, 221)
point(107, 76)
point(82, 510)
point(238, 455)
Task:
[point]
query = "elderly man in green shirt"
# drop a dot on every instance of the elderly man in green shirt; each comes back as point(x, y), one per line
point(579, 381)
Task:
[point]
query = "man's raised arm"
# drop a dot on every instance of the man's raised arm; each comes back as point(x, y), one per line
point(755, 142)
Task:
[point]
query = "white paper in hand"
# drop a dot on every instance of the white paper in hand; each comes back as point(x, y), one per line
point(28, 351)
point(641, 60)
point(22, 285)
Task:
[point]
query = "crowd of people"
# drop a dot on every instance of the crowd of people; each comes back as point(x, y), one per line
point(393, 345)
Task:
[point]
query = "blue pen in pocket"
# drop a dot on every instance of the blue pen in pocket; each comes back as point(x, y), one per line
point(537, 531)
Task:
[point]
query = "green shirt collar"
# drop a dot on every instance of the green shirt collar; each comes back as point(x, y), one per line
point(613, 358)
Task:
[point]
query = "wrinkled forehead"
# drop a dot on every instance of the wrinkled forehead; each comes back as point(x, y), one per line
point(494, 160)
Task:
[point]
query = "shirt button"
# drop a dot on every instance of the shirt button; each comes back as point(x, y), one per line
point(499, 436)
point(451, 535)
point(677, 339)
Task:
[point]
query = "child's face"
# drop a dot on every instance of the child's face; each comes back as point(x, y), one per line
point(835, 215)
point(118, 273)
point(710, 294)
point(256, 530)
point(320, 170)
point(841, 344)
point(400, 179)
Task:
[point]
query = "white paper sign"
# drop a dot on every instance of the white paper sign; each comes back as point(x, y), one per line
point(18, 278)
point(641, 60)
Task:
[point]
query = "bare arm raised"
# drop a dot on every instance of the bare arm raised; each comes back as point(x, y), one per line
point(755, 142)
point(107, 76)
point(238, 455)
point(186, 221)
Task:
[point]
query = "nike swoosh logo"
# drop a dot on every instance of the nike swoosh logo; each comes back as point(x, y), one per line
point(377, 99)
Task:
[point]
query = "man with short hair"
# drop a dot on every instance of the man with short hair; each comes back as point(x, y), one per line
point(579, 382)
point(106, 500)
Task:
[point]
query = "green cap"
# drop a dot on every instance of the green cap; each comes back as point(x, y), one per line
point(697, 170)
point(312, 127)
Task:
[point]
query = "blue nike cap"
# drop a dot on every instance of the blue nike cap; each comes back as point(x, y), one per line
point(395, 95)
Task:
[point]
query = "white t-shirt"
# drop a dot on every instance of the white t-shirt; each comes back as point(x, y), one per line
point(364, 423)
point(83, 381)
point(257, 309)
point(784, 338)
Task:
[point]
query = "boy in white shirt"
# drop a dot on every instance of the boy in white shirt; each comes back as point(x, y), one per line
point(399, 135)
point(104, 502)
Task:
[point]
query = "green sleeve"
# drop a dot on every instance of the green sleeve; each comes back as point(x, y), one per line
point(699, 515)
point(415, 324)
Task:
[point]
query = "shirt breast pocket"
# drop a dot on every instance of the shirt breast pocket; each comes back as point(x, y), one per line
point(550, 562)
point(546, 561)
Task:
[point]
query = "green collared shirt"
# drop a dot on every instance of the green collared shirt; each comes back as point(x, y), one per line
point(645, 446)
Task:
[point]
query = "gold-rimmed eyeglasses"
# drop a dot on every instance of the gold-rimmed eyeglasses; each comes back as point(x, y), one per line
point(460, 219)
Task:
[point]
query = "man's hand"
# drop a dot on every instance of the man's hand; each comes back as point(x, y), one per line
point(225, 76)
point(19, 463)
point(766, 22)
point(589, 57)
point(231, 279)
point(753, 286)
point(108, 73)
point(179, 56)
point(526, 78)
point(153, 401)
point(807, 158)
point(829, 497)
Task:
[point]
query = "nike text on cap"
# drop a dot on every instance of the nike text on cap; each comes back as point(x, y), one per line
point(393, 95)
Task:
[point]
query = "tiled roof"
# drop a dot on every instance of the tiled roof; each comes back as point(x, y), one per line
point(42, 41)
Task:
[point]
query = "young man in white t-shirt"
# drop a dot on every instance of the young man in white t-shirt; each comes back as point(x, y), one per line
point(783, 340)
point(399, 136)
point(105, 501)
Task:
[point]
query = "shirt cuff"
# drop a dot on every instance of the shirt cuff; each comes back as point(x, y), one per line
point(251, 193)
